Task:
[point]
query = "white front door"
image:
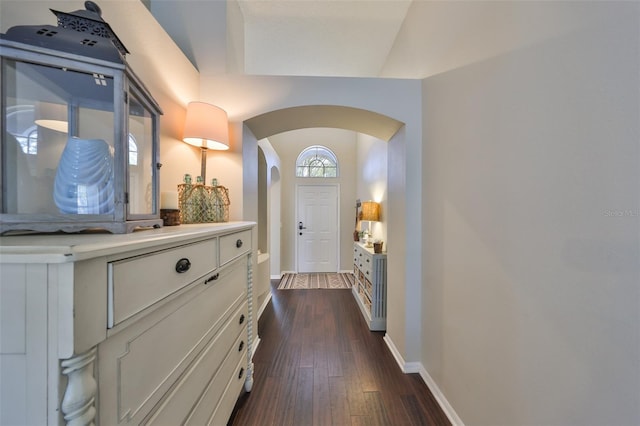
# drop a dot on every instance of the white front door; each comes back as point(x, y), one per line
point(317, 228)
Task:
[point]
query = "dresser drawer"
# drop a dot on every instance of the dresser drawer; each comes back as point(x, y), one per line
point(139, 282)
point(213, 408)
point(233, 245)
point(142, 361)
point(230, 397)
point(178, 403)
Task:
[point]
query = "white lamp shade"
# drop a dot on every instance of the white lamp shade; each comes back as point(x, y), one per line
point(52, 116)
point(206, 126)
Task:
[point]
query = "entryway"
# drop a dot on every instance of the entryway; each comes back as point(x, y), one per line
point(317, 228)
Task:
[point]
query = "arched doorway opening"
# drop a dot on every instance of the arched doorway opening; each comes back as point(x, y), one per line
point(284, 120)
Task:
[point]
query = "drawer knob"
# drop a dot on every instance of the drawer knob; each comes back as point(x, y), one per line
point(241, 347)
point(241, 318)
point(241, 373)
point(183, 265)
point(212, 278)
point(238, 243)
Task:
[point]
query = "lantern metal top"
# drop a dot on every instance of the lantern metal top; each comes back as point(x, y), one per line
point(82, 32)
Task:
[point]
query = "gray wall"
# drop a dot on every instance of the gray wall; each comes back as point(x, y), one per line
point(531, 229)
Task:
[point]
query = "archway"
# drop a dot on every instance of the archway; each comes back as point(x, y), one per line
point(281, 121)
point(336, 116)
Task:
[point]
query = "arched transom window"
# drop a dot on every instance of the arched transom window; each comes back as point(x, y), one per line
point(317, 161)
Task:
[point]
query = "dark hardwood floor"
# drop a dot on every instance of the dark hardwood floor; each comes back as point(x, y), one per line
point(318, 364)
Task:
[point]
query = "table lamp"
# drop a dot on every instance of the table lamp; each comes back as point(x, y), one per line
point(206, 127)
point(370, 213)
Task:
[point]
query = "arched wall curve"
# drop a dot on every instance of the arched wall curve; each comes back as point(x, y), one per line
point(335, 116)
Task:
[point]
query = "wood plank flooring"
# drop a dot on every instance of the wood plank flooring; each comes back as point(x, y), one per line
point(318, 364)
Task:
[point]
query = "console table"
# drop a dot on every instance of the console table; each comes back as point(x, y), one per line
point(370, 288)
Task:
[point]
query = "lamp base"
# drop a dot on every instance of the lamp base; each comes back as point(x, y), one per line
point(203, 164)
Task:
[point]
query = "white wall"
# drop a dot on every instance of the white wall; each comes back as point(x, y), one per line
point(273, 206)
point(371, 182)
point(531, 219)
point(275, 222)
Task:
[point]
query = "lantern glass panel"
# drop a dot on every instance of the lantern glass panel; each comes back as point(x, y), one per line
point(59, 135)
point(141, 158)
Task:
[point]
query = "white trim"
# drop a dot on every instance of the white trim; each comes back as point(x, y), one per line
point(396, 354)
point(264, 305)
point(254, 349)
point(417, 367)
point(276, 277)
point(442, 400)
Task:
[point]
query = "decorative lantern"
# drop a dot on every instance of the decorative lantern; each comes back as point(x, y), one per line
point(80, 132)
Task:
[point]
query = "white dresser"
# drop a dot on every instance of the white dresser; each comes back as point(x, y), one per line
point(370, 289)
point(153, 327)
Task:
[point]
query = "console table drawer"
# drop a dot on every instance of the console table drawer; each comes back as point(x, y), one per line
point(367, 262)
point(233, 245)
point(139, 282)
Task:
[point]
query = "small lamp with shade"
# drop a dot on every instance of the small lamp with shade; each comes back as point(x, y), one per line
point(370, 213)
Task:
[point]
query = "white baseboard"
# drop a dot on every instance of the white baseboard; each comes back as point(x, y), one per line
point(264, 305)
point(254, 349)
point(275, 277)
point(442, 400)
point(406, 368)
point(347, 271)
point(417, 367)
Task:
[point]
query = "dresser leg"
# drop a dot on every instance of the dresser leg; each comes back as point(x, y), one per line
point(248, 383)
point(78, 403)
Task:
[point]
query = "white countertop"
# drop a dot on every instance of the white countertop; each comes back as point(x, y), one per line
point(61, 248)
